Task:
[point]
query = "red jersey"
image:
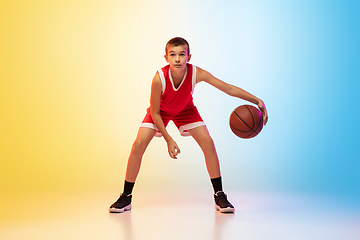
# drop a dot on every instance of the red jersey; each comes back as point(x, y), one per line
point(174, 100)
point(176, 104)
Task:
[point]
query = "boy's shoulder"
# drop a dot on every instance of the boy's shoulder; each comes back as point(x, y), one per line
point(200, 74)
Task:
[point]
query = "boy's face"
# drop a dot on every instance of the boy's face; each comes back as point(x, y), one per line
point(177, 57)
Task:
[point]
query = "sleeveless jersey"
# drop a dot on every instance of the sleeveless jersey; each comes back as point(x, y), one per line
point(176, 104)
point(174, 100)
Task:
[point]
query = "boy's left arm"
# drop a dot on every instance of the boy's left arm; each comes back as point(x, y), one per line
point(204, 76)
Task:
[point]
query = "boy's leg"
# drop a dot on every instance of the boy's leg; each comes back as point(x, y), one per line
point(144, 136)
point(202, 137)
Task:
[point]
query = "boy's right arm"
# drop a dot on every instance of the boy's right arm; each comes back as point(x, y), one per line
point(155, 97)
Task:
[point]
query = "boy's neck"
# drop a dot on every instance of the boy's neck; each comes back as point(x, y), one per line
point(178, 75)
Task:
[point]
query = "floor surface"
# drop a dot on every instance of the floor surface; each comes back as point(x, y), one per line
point(180, 216)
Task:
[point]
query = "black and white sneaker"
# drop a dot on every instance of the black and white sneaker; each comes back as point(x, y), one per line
point(122, 204)
point(222, 204)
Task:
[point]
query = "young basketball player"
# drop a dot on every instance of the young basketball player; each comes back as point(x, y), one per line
point(171, 99)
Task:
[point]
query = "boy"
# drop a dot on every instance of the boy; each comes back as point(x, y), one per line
point(171, 99)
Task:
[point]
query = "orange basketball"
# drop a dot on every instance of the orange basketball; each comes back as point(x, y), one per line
point(246, 121)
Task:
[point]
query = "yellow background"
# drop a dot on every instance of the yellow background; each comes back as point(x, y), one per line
point(75, 84)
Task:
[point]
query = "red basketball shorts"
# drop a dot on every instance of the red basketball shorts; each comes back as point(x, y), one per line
point(188, 118)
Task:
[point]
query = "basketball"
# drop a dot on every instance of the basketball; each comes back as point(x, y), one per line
point(246, 121)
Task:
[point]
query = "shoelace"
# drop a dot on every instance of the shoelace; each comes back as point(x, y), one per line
point(222, 197)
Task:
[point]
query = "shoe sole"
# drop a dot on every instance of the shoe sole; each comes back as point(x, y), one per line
point(120, 210)
point(224, 210)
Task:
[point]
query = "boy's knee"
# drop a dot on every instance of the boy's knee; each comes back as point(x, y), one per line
point(139, 145)
point(208, 142)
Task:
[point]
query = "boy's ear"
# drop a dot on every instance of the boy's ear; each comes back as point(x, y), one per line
point(189, 57)
point(165, 56)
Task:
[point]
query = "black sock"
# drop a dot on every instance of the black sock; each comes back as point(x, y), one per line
point(217, 184)
point(128, 187)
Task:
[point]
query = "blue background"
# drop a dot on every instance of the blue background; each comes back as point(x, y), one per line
point(302, 59)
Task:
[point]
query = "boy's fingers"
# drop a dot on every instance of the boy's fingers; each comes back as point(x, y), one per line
point(264, 113)
point(176, 152)
point(266, 117)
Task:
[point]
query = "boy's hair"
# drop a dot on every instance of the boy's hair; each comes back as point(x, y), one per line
point(177, 41)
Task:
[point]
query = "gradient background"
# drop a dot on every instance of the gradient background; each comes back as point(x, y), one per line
point(75, 84)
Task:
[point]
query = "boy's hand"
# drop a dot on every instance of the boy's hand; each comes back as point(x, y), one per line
point(263, 110)
point(173, 149)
